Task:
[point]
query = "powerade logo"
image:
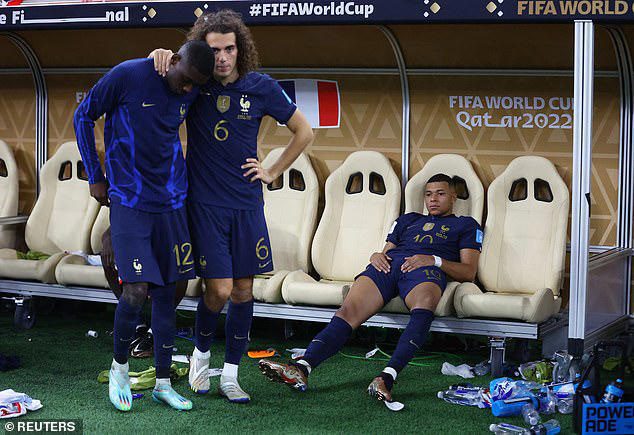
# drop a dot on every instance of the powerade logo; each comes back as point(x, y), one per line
point(614, 418)
point(302, 9)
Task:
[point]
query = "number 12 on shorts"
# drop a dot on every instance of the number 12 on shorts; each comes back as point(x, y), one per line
point(185, 250)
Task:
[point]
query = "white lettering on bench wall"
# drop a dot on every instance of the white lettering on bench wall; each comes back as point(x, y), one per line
point(535, 112)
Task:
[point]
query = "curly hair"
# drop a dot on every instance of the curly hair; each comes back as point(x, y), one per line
point(228, 21)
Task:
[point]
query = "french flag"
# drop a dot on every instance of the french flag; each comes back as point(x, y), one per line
point(317, 99)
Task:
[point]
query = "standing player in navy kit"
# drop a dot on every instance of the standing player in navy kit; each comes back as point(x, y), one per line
point(420, 252)
point(225, 206)
point(146, 189)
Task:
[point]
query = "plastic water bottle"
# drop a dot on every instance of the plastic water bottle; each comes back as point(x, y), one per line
point(471, 398)
point(551, 427)
point(465, 388)
point(508, 429)
point(547, 402)
point(613, 392)
point(561, 369)
point(564, 406)
point(507, 388)
point(510, 407)
point(530, 414)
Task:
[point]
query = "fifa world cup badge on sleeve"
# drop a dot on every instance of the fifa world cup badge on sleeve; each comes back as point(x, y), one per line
point(479, 236)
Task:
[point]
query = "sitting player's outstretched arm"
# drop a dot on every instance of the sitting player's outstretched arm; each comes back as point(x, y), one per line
point(101, 99)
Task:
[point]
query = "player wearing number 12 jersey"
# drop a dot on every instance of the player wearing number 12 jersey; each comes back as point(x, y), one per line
point(147, 189)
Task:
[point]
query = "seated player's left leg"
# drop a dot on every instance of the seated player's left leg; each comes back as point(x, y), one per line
point(421, 289)
point(369, 292)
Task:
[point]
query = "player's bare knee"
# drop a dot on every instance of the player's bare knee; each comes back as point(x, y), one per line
point(349, 314)
point(427, 300)
point(240, 295)
point(243, 284)
point(222, 293)
point(216, 297)
point(135, 293)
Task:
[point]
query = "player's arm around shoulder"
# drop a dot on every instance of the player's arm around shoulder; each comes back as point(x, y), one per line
point(162, 59)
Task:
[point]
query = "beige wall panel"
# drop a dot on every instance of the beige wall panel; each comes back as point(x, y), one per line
point(497, 46)
point(351, 46)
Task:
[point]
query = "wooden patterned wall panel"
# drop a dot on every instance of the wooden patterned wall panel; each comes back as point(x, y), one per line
point(369, 121)
point(517, 46)
point(434, 129)
point(17, 129)
point(63, 94)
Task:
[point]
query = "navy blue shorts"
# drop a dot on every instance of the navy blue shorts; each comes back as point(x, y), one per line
point(397, 283)
point(229, 243)
point(151, 247)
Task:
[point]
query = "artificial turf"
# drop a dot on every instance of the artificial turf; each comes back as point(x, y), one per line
point(60, 366)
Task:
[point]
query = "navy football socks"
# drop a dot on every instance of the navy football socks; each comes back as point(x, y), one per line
point(328, 342)
point(412, 338)
point(206, 321)
point(125, 319)
point(237, 328)
point(163, 328)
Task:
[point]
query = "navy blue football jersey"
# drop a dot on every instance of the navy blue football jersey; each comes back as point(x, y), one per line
point(444, 236)
point(222, 132)
point(145, 165)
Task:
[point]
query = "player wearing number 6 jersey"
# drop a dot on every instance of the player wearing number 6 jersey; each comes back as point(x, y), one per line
point(420, 252)
point(225, 206)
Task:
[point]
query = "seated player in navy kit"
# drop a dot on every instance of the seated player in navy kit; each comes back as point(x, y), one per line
point(225, 205)
point(421, 251)
point(146, 189)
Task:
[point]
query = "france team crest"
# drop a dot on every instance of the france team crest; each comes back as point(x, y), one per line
point(222, 103)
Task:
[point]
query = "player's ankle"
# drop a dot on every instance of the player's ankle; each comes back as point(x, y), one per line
point(201, 355)
point(389, 377)
point(162, 383)
point(302, 365)
point(121, 367)
point(230, 371)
